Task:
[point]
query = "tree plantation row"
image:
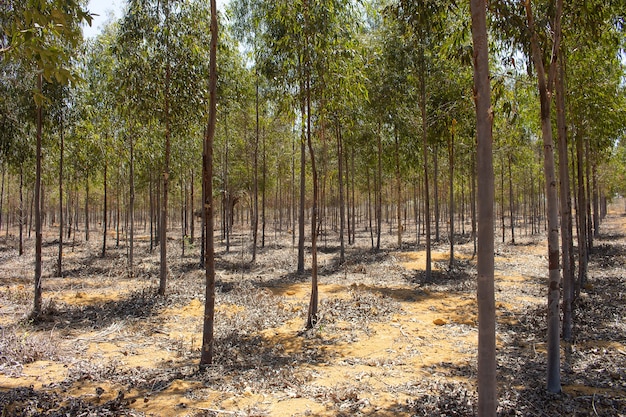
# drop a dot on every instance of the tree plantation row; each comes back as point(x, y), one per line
point(320, 119)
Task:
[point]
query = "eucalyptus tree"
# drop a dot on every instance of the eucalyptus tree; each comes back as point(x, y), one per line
point(391, 92)
point(161, 49)
point(16, 124)
point(424, 20)
point(42, 33)
point(487, 392)
point(207, 180)
point(546, 86)
point(98, 100)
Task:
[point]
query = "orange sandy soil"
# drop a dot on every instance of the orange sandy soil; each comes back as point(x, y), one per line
point(415, 332)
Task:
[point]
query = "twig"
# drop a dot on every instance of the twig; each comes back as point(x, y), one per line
point(213, 410)
point(593, 404)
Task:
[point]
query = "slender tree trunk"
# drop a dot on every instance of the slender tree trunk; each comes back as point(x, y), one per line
point(398, 190)
point(473, 205)
point(2, 196)
point(342, 202)
point(131, 206)
point(166, 172)
point(567, 247)
point(451, 209)
point(511, 203)
point(487, 392)
point(87, 207)
point(428, 274)
point(545, 92)
point(313, 302)
point(37, 202)
point(581, 212)
point(61, 152)
point(436, 190)
point(379, 188)
point(263, 189)
point(589, 197)
point(255, 180)
point(104, 211)
point(596, 200)
point(207, 179)
point(302, 185)
point(21, 219)
point(192, 223)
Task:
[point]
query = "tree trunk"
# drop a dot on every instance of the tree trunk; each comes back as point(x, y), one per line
point(428, 273)
point(87, 207)
point(511, 203)
point(581, 213)
point(207, 179)
point(302, 188)
point(59, 270)
point(21, 219)
point(166, 171)
point(567, 247)
point(379, 188)
point(255, 180)
point(487, 392)
point(192, 222)
point(436, 190)
point(545, 93)
point(451, 186)
point(342, 202)
point(398, 190)
point(131, 206)
point(37, 202)
point(104, 211)
point(313, 302)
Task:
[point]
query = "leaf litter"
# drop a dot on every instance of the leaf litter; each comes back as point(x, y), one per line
point(387, 341)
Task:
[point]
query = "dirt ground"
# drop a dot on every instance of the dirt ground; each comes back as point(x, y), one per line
point(387, 342)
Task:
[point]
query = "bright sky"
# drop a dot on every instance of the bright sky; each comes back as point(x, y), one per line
point(106, 8)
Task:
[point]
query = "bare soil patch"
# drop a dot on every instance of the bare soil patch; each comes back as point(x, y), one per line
point(388, 343)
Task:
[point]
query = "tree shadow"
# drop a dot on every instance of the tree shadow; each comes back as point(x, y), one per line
point(461, 277)
point(138, 305)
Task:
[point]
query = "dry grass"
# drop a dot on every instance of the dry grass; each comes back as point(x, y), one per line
point(387, 342)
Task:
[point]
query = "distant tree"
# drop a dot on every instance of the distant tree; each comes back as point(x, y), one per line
point(44, 33)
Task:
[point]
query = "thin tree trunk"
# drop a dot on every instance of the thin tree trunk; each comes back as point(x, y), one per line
point(191, 209)
point(342, 202)
point(255, 180)
point(545, 92)
point(451, 209)
point(379, 188)
point(87, 207)
point(567, 247)
point(487, 392)
point(398, 190)
point(596, 200)
point(207, 179)
point(581, 212)
point(104, 211)
point(61, 151)
point(428, 273)
point(313, 302)
point(436, 190)
point(131, 206)
point(21, 219)
point(37, 202)
point(511, 203)
point(166, 172)
point(302, 187)
point(2, 196)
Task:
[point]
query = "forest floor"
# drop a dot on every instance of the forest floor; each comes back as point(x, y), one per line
point(387, 343)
